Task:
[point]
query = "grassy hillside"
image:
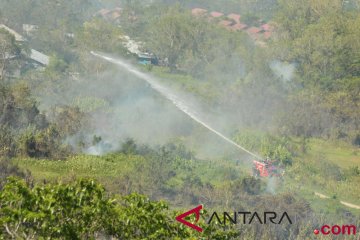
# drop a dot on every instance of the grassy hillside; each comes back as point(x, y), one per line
point(327, 167)
point(339, 153)
point(330, 168)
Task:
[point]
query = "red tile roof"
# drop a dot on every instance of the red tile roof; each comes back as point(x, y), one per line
point(225, 23)
point(216, 14)
point(239, 26)
point(235, 17)
point(267, 27)
point(198, 11)
point(254, 30)
point(267, 35)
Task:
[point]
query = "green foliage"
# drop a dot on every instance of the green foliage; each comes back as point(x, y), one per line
point(97, 34)
point(96, 140)
point(18, 108)
point(194, 45)
point(322, 114)
point(45, 13)
point(320, 37)
point(325, 52)
point(69, 119)
point(146, 219)
point(10, 50)
point(173, 29)
point(248, 184)
point(57, 64)
point(250, 139)
point(77, 211)
point(159, 173)
point(250, 19)
point(294, 15)
point(191, 182)
point(44, 143)
point(82, 210)
point(25, 131)
point(352, 172)
point(7, 142)
point(129, 147)
point(281, 149)
point(277, 150)
point(330, 170)
point(90, 104)
point(8, 168)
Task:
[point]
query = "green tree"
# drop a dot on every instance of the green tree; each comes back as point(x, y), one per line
point(77, 211)
point(8, 168)
point(171, 35)
point(18, 109)
point(83, 210)
point(7, 142)
point(9, 51)
point(97, 34)
point(292, 16)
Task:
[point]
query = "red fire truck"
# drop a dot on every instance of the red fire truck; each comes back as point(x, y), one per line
point(266, 168)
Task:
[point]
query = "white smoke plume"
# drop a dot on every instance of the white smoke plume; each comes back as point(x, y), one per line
point(174, 98)
point(283, 70)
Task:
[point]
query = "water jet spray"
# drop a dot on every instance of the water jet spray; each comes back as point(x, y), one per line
point(178, 102)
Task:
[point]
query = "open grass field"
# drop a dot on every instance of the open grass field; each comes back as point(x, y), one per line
point(327, 168)
point(339, 153)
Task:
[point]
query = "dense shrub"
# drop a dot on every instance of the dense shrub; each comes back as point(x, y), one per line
point(278, 148)
point(44, 143)
point(9, 169)
point(7, 142)
point(83, 210)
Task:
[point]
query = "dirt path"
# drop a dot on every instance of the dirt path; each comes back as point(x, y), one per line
point(350, 205)
point(342, 202)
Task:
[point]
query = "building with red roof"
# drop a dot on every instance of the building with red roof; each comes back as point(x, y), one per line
point(238, 26)
point(110, 14)
point(198, 11)
point(235, 17)
point(226, 23)
point(267, 35)
point(232, 22)
point(254, 30)
point(216, 14)
point(267, 27)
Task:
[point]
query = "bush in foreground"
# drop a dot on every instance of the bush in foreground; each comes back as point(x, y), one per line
point(83, 210)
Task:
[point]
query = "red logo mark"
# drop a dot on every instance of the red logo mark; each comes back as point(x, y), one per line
point(181, 218)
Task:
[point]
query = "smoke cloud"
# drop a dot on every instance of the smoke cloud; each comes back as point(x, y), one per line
point(283, 70)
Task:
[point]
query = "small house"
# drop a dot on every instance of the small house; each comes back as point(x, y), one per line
point(198, 12)
point(234, 17)
point(216, 14)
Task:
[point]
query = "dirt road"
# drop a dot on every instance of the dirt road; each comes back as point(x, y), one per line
point(342, 202)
